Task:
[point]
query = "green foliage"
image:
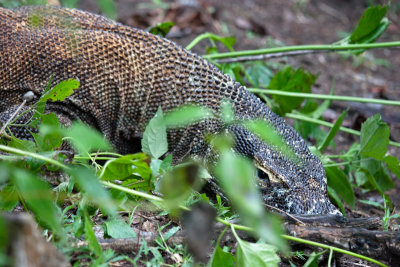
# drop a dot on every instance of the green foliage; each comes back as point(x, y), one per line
point(222, 258)
point(365, 165)
point(161, 29)
point(154, 141)
point(255, 254)
point(374, 137)
point(85, 139)
point(108, 8)
point(339, 182)
point(186, 115)
point(37, 195)
point(117, 228)
point(87, 182)
point(236, 176)
point(371, 25)
point(329, 137)
point(290, 80)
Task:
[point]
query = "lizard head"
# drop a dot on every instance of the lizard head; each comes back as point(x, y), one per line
point(295, 186)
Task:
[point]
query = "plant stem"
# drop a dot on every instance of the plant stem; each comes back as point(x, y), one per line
point(329, 47)
point(326, 97)
point(316, 244)
point(242, 227)
point(330, 125)
point(33, 155)
point(207, 35)
point(132, 192)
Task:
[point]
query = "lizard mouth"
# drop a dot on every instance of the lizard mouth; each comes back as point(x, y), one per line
point(297, 201)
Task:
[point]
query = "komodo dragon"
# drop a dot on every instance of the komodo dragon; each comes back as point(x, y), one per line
point(125, 74)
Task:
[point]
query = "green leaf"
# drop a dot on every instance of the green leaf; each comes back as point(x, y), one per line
point(85, 139)
point(222, 258)
point(393, 164)
point(171, 232)
point(269, 135)
point(8, 197)
point(338, 181)
point(290, 80)
point(373, 175)
point(374, 137)
point(236, 175)
point(38, 196)
point(61, 91)
point(369, 22)
point(255, 254)
point(259, 74)
point(335, 197)
point(161, 29)
point(118, 228)
point(235, 71)
point(90, 237)
point(333, 131)
point(154, 141)
point(92, 189)
point(50, 133)
point(186, 115)
point(108, 8)
point(176, 184)
point(227, 113)
point(122, 167)
point(228, 41)
point(313, 259)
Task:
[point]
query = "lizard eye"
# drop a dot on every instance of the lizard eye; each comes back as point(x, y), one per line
point(263, 175)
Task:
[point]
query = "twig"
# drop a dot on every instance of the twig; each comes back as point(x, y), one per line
point(12, 116)
point(284, 212)
point(268, 56)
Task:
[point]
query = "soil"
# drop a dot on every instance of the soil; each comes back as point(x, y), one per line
point(255, 23)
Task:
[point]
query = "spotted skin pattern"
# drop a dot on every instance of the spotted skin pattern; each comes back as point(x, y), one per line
point(125, 74)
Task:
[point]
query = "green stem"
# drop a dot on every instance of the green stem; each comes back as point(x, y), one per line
point(33, 155)
point(203, 36)
point(242, 227)
point(197, 40)
point(316, 244)
point(330, 125)
point(330, 47)
point(132, 192)
point(326, 97)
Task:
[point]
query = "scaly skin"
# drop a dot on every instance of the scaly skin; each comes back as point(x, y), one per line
point(125, 75)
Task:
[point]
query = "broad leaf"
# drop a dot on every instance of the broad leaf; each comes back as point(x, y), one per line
point(222, 258)
point(92, 189)
point(393, 164)
point(186, 115)
point(154, 141)
point(85, 139)
point(333, 131)
point(237, 178)
point(269, 135)
point(373, 175)
point(61, 91)
point(338, 181)
point(38, 196)
point(369, 22)
point(256, 254)
point(374, 137)
point(122, 167)
point(118, 228)
point(91, 239)
point(161, 29)
point(290, 80)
